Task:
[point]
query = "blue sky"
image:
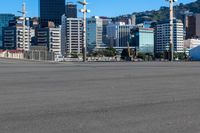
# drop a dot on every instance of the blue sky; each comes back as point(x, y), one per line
point(97, 7)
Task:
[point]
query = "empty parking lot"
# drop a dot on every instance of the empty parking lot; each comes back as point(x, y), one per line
point(152, 97)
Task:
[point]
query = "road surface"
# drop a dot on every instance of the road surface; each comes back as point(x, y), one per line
point(152, 97)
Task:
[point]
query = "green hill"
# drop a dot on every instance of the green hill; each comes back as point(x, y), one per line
point(163, 12)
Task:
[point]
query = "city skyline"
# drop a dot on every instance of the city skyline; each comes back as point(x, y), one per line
point(58, 34)
point(96, 7)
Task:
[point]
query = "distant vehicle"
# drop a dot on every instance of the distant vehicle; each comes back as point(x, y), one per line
point(176, 59)
point(59, 58)
point(137, 60)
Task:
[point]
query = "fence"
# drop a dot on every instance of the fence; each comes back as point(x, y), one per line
point(39, 55)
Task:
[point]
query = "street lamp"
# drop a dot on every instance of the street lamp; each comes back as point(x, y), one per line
point(171, 29)
point(84, 11)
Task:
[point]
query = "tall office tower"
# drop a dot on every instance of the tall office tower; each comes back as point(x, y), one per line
point(51, 10)
point(184, 17)
point(72, 35)
point(64, 35)
point(119, 34)
point(4, 22)
point(71, 10)
point(106, 22)
point(163, 36)
point(94, 32)
point(190, 25)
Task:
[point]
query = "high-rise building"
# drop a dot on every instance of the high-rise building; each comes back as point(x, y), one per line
point(4, 22)
point(163, 36)
point(71, 10)
point(190, 26)
point(198, 25)
point(13, 38)
point(143, 39)
point(64, 35)
point(72, 35)
point(119, 34)
point(13, 35)
point(106, 22)
point(94, 32)
point(51, 38)
point(51, 10)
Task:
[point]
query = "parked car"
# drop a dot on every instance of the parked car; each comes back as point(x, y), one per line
point(59, 58)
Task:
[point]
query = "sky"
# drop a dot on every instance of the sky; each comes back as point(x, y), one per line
point(108, 8)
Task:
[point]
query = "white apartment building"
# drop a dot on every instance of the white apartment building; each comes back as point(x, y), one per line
point(163, 37)
point(55, 40)
point(72, 35)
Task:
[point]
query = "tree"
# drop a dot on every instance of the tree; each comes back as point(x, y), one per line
point(74, 55)
point(176, 55)
point(97, 53)
point(159, 55)
point(182, 56)
point(125, 54)
point(149, 56)
point(110, 52)
point(141, 56)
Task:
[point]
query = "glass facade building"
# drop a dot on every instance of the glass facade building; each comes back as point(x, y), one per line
point(4, 22)
point(71, 10)
point(144, 40)
point(119, 33)
point(94, 32)
point(51, 10)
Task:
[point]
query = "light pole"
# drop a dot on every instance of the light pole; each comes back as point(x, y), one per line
point(84, 11)
point(171, 29)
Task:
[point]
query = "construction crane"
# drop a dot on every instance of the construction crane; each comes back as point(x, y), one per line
point(171, 29)
point(84, 11)
point(23, 12)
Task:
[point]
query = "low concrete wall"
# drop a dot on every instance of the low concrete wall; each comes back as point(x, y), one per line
point(31, 55)
point(12, 54)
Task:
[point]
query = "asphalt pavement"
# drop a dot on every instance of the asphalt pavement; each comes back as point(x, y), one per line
point(151, 97)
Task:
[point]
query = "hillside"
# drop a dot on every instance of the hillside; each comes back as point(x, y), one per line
point(163, 12)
